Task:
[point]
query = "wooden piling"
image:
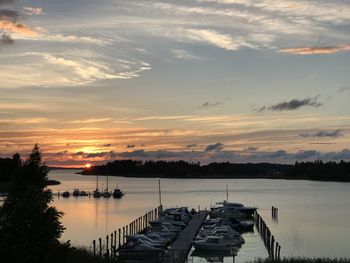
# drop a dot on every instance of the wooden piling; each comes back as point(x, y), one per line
point(100, 245)
point(123, 236)
point(94, 245)
point(115, 238)
point(107, 246)
point(119, 233)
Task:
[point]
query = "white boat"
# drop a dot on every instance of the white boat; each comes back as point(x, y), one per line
point(214, 243)
point(136, 250)
point(224, 231)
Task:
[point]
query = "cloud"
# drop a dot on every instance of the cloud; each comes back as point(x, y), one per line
point(183, 55)
point(317, 50)
point(302, 155)
point(293, 104)
point(215, 38)
point(6, 39)
point(344, 89)
point(92, 120)
point(251, 149)
point(77, 68)
point(107, 145)
point(33, 10)
point(130, 146)
point(193, 145)
point(214, 147)
point(334, 134)
point(9, 21)
point(208, 104)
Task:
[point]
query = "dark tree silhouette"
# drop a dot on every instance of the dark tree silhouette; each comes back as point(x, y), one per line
point(29, 227)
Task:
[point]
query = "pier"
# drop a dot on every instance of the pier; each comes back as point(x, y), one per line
point(272, 246)
point(182, 245)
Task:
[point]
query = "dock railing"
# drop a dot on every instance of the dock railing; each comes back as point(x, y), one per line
point(108, 246)
point(272, 246)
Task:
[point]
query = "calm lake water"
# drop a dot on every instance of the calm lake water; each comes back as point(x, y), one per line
point(314, 217)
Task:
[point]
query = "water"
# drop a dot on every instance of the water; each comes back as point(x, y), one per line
point(313, 216)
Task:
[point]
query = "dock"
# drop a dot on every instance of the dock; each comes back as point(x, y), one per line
point(182, 245)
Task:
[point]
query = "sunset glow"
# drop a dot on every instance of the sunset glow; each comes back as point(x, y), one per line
point(263, 82)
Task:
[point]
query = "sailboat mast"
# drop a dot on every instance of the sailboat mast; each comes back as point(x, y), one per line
point(97, 182)
point(160, 193)
point(107, 183)
point(226, 193)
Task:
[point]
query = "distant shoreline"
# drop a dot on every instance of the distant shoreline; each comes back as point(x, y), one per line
point(271, 177)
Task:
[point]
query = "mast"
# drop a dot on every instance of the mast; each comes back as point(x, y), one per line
point(107, 183)
point(96, 182)
point(226, 193)
point(160, 193)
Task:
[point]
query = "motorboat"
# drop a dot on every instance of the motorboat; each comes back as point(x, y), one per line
point(117, 193)
point(83, 193)
point(214, 243)
point(146, 240)
point(48, 193)
point(249, 211)
point(76, 192)
point(97, 193)
point(106, 194)
point(137, 250)
point(66, 194)
point(225, 232)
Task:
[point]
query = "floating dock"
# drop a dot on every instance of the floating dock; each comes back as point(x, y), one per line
point(179, 250)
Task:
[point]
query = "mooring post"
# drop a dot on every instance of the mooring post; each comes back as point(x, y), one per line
point(279, 252)
point(119, 237)
point(123, 235)
point(115, 238)
point(112, 242)
point(94, 245)
point(276, 249)
point(107, 246)
point(100, 245)
point(272, 247)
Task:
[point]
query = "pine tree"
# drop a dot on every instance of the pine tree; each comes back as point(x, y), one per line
point(29, 227)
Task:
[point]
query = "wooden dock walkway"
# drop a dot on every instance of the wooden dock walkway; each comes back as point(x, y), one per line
point(179, 250)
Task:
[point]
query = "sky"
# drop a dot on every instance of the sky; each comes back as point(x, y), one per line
point(197, 80)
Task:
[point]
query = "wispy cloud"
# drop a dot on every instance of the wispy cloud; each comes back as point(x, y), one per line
point(33, 10)
point(334, 134)
point(209, 104)
point(6, 39)
point(214, 147)
point(184, 55)
point(293, 104)
point(93, 120)
point(316, 50)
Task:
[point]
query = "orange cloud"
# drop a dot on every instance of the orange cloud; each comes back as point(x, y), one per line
point(316, 50)
point(18, 28)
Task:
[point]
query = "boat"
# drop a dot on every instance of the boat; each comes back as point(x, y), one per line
point(76, 192)
point(117, 193)
point(215, 243)
point(97, 193)
point(66, 194)
point(106, 194)
point(83, 193)
point(135, 249)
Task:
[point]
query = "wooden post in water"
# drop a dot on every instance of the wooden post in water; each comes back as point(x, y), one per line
point(115, 238)
point(126, 230)
point(276, 249)
point(279, 252)
point(112, 243)
point(272, 247)
point(123, 235)
point(119, 239)
point(94, 245)
point(107, 246)
point(100, 245)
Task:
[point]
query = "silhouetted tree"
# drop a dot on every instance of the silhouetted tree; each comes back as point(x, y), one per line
point(29, 227)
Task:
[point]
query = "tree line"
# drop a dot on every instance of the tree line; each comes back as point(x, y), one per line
point(318, 170)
